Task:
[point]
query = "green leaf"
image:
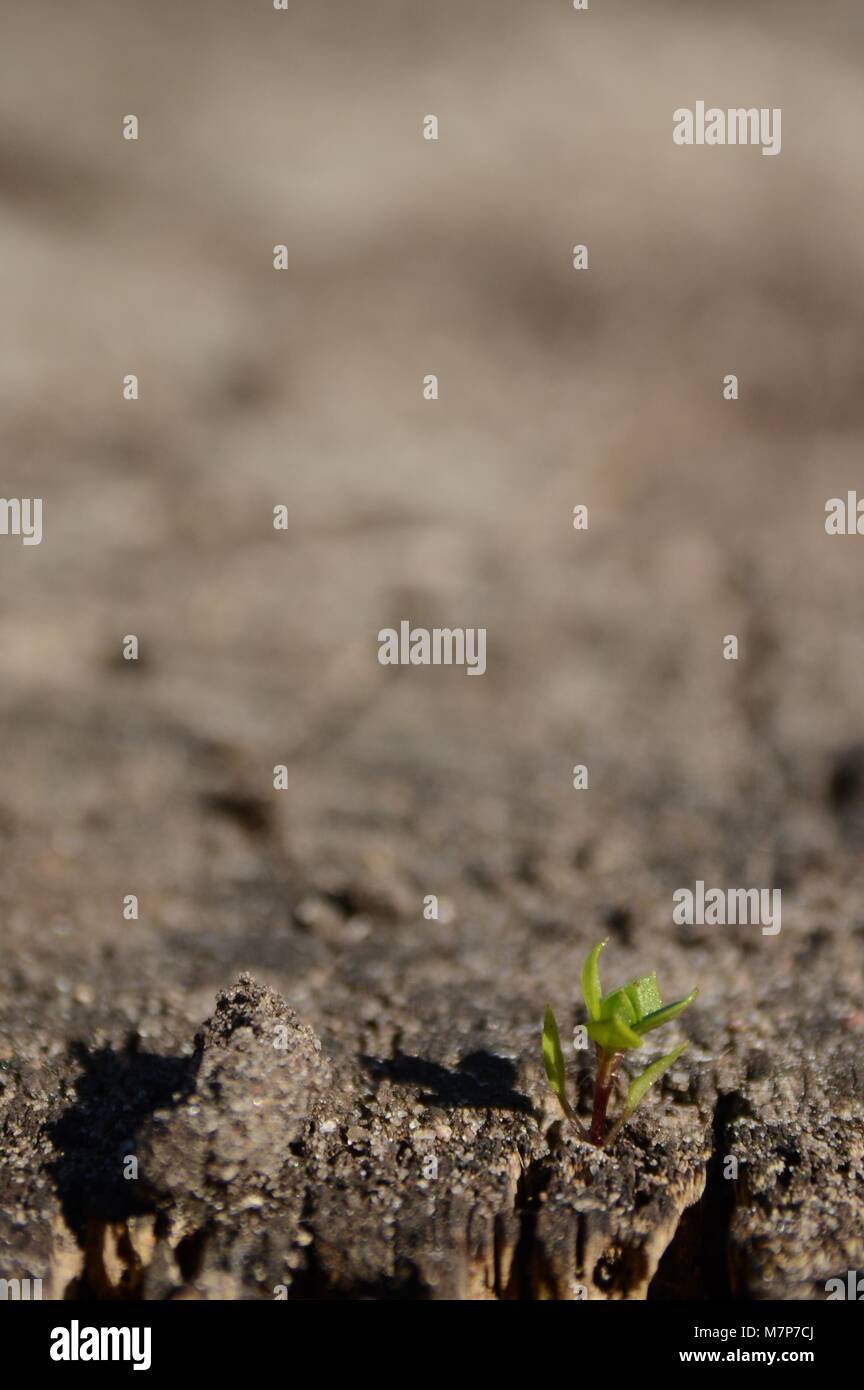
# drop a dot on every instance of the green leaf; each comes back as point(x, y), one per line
point(618, 1001)
point(644, 995)
point(661, 1016)
point(553, 1057)
point(650, 1075)
point(590, 981)
point(613, 1034)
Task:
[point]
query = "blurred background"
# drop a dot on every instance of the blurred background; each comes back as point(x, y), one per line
point(304, 388)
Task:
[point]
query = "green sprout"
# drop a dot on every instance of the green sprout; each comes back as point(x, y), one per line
point(617, 1023)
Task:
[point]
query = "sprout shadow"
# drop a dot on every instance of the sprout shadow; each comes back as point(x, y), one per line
point(480, 1080)
point(113, 1096)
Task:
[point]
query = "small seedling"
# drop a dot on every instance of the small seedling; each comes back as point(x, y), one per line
point(617, 1023)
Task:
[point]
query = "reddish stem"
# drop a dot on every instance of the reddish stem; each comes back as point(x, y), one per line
point(607, 1063)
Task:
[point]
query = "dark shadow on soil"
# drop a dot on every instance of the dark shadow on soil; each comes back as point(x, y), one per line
point(95, 1136)
point(480, 1080)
